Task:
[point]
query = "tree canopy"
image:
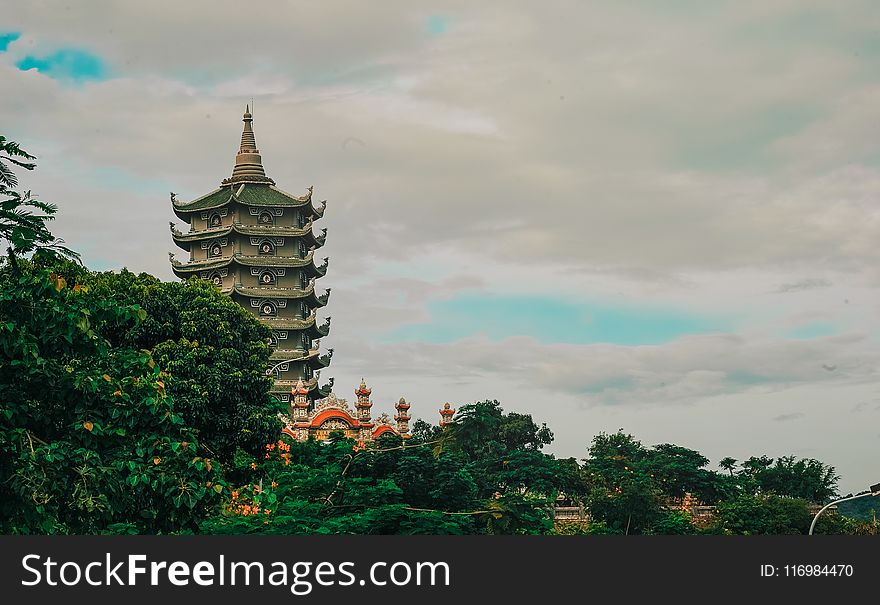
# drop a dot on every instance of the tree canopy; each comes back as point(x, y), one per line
point(131, 405)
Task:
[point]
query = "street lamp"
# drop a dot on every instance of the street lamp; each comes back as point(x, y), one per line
point(874, 490)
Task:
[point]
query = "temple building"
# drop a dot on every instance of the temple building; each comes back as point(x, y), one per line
point(257, 243)
point(332, 414)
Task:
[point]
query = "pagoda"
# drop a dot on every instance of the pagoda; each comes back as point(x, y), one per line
point(257, 243)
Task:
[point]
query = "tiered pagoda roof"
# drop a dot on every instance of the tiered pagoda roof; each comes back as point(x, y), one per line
point(228, 227)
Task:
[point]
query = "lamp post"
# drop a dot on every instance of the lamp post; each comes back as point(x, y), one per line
point(874, 490)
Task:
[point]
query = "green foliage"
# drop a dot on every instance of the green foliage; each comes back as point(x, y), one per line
point(129, 405)
point(484, 474)
point(673, 523)
point(88, 433)
point(749, 514)
point(864, 509)
point(23, 218)
point(214, 351)
point(788, 476)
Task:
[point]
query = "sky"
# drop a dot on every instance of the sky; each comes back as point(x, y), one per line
point(660, 217)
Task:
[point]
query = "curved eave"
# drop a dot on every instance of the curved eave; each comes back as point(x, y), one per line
point(268, 196)
point(286, 293)
point(324, 391)
point(313, 358)
point(252, 261)
point(297, 356)
point(183, 210)
point(298, 325)
point(308, 296)
point(276, 261)
point(185, 270)
point(285, 386)
point(284, 323)
point(314, 270)
point(274, 231)
point(181, 239)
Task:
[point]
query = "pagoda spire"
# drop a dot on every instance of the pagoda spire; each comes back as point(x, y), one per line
point(248, 163)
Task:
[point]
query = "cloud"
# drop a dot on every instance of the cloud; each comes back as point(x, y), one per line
point(703, 158)
point(787, 417)
point(808, 283)
point(684, 370)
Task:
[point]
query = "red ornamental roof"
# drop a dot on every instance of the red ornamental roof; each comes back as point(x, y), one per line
point(382, 430)
point(318, 420)
point(363, 389)
point(299, 388)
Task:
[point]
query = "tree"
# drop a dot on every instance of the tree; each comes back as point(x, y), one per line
point(728, 464)
point(750, 514)
point(804, 478)
point(679, 471)
point(483, 474)
point(23, 218)
point(214, 352)
point(622, 493)
point(89, 436)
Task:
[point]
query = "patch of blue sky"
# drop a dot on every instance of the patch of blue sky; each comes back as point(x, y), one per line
point(549, 320)
point(7, 39)
point(71, 64)
point(808, 331)
point(436, 24)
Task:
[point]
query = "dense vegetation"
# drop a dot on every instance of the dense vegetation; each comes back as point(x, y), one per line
point(130, 405)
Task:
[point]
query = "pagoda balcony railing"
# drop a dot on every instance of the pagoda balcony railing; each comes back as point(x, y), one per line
point(209, 231)
point(310, 383)
point(237, 226)
point(277, 292)
point(294, 323)
point(274, 229)
point(273, 261)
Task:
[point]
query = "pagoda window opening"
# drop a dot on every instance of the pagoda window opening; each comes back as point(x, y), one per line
point(304, 309)
point(215, 250)
point(303, 280)
point(266, 219)
point(267, 278)
point(267, 248)
point(268, 309)
point(216, 279)
point(272, 341)
point(215, 220)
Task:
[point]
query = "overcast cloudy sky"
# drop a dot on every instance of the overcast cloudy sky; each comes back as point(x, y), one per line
point(606, 214)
